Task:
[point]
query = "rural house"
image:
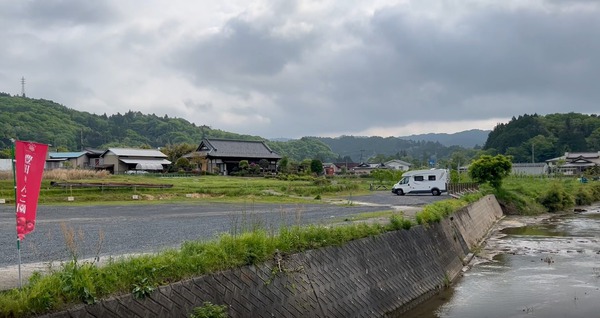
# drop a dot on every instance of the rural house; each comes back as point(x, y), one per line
point(223, 156)
point(397, 164)
point(574, 163)
point(120, 160)
point(56, 160)
point(367, 168)
point(95, 159)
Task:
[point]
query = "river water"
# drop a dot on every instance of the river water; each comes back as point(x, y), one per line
point(545, 267)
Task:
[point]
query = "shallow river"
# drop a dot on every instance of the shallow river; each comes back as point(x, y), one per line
point(549, 268)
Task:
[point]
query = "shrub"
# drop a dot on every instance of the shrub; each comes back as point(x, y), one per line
point(556, 198)
point(583, 196)
point(397, 222)
point(595, 190)
point(435, 212)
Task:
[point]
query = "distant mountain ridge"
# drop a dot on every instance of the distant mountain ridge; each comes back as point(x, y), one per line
point(466, 139)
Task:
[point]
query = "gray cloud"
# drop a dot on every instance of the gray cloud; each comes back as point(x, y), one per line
point(311, 68)
point(239, 49)
point(49, 13)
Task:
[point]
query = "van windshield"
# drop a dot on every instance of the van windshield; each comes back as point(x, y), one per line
point(404, 180)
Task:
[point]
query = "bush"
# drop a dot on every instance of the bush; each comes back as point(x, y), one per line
point(584, 196)
point(435, 212)
point(556, 198)
point(397, 222)
point(595, 190)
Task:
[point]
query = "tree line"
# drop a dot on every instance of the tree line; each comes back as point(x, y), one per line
point(536, 138)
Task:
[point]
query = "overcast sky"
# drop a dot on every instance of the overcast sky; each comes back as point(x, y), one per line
point(308, 68)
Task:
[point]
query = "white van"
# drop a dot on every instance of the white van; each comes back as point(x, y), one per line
point(422, 181)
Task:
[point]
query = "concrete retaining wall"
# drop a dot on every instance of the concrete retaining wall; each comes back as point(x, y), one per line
point(372, 277)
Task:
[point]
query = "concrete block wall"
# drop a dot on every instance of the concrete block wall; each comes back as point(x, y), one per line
point(475, 220)
point(370, 277)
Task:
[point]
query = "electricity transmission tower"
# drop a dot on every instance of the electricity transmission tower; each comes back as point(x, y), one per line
point(23, 86)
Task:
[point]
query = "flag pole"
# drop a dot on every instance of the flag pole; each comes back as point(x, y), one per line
point(15, 186)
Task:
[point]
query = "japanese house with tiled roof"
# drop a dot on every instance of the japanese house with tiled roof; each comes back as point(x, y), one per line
point(574, 163)
point(223, 156)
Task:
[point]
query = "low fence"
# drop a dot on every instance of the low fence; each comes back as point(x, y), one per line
point(462, 188)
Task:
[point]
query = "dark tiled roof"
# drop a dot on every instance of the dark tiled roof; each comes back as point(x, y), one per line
point(237, 149)
point(587, 155)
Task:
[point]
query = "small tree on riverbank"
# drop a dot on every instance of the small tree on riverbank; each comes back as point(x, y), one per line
point(490, 169)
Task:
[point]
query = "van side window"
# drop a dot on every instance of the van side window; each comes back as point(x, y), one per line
point(418, 178)
point(432, 178)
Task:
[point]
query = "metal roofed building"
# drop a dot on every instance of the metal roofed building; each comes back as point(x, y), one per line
point(56, 160)
point(120, 160)
point(530, 169)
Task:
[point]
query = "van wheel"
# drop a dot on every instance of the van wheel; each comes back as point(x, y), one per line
point(400, 192)
point(435, 192)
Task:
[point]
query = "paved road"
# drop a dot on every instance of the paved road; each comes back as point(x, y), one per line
point(150, 228)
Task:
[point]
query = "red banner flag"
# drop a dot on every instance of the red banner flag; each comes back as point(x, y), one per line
point(30, 158)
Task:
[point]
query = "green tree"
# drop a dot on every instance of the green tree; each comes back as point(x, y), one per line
point(283, 165)
point(316, 166)
point(593, 141)
point(176, 151)
point(182, 164)
point(305, 166)
point(380, 175)
point(264, 164)
point(244, 165)
point(490, 169)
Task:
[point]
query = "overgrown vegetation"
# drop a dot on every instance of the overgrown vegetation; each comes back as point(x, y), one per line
point(535, 195)
point(437, 211)
point(86, 282)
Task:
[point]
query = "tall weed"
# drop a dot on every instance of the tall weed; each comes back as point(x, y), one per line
point(556, 198)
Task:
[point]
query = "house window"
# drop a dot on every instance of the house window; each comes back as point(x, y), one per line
point(418, 178)
point(431, 178)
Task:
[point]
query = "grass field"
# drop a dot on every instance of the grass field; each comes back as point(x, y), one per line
point(190, 188)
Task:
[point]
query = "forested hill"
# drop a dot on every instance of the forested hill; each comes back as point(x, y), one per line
point(377, 149)
point(48, 122)
point(468, 138)
point(546, 136)
point(71, 130)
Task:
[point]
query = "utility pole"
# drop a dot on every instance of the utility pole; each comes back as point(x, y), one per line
point(532, 152)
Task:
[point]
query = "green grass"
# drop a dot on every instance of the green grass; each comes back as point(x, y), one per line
point(437, 211)
point(531, 196)
point(85, 282)
point(196, 188)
